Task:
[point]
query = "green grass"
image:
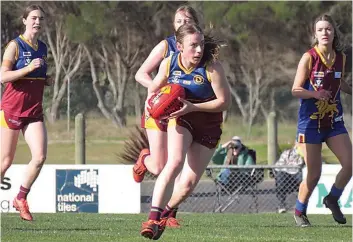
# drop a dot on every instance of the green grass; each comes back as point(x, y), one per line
point(195, 227)
point(104, 141)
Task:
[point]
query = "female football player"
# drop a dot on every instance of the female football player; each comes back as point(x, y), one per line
point(24, 73)
point(318, 83)
point(195, 129)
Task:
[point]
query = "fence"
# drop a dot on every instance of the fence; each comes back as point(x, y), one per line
point(240, 189)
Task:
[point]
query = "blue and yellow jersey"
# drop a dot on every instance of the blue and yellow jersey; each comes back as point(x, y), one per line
point(321, 114)
point(23, 98)
point(195, 81)
point(170, 46)
point(26, 52)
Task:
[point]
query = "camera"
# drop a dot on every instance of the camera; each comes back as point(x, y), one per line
point(233, 146)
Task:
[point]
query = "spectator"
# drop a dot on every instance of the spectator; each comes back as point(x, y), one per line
point(288, 179)
point(233, 152)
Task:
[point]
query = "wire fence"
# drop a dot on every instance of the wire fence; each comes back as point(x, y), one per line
point(238, 189)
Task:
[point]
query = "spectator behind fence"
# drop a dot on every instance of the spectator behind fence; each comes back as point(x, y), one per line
point(288, 179)
point(232, 152)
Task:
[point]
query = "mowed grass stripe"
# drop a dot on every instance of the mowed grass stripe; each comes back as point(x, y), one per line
point(195, 227)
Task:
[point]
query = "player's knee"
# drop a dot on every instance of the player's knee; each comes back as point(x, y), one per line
point(6, 163)
point(156, 169)
point(39, 160)
point(176, 163)
point(313, 179)
point(187, 186)
point(347, 169)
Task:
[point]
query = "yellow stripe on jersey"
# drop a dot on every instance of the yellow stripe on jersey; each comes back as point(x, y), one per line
point(2, 120)
point(165, 48)
point(328, 65)
point(310, 62)
point(35, 46)
point(187, 71)
point(208, 74)
point(169, 59)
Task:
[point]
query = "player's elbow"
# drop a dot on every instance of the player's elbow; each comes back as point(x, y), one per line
point(224, 104)
point(138, 76)
point(4, 78)
point(294, 91)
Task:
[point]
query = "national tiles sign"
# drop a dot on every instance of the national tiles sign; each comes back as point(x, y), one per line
point(75, 188)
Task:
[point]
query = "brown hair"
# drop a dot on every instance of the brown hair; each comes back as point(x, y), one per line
point(189, 10)
point(30, 9)
point(337, 45)
point(211, 47)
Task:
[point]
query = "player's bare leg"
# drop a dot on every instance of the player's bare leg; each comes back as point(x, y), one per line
point(154, 158)
point(36, 137)
point(179, 140)
point(313, 161)
point(341, 146)
point(9, 140)
point(198, 157)
point(158, 143)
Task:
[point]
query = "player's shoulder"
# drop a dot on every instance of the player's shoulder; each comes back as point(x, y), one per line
point(214, 66)
point(12, 44)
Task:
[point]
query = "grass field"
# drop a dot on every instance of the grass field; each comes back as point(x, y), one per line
point(104, 141)
point(195, 227)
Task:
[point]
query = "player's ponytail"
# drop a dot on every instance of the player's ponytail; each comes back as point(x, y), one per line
point(212, 45)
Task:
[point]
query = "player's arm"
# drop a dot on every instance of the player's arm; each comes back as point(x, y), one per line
point(221, 89)
point(301, 76)
point(143, 75)
point(161, 78)
point(9, 59)
point(345, 87)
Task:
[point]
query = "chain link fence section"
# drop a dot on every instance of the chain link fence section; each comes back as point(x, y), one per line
point(240, 189)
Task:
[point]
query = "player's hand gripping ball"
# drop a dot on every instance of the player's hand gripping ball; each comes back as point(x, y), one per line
point(165, 101)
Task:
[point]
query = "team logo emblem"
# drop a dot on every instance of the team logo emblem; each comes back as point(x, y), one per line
point(318, 83)
point(198, 79)
point(338, 74)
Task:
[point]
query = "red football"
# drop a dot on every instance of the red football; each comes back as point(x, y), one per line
point(165, 101)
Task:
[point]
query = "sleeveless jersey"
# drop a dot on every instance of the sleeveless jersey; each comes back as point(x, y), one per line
point(196, 81)
point(170, 46)
point(23, 97)
point(321, 114)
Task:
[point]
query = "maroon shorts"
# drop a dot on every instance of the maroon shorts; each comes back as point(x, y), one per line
point(204, 127)
point(16, 123)
point(150, 123)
